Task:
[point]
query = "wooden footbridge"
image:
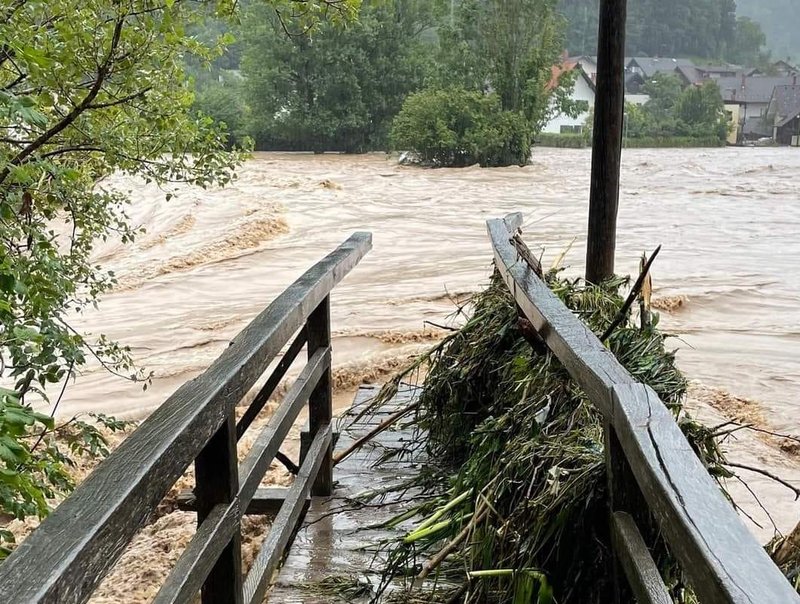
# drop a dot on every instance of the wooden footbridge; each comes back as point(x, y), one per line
point(654, 476)
point(655, 479)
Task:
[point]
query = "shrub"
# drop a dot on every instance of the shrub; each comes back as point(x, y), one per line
point(565, 141)
point(457, 128)
point(224, 103)
point(580, 141)
point(673, 142)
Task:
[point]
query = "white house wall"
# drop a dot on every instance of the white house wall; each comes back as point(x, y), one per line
point(754, 110)
point(637, 99)
point(581, 92)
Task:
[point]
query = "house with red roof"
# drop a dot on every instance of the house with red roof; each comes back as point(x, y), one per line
point(583, 90)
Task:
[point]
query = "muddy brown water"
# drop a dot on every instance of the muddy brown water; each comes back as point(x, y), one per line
point(728, 220)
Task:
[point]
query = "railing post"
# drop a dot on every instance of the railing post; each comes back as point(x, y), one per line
point(320, 403)
point(624, 495)
point(618, 474)
point(217, 481)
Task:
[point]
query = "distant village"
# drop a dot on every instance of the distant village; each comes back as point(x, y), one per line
point(762, 107)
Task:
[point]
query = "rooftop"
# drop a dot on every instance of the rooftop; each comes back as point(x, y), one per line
point(755, 89)
point(785, 103)
point(651, 66)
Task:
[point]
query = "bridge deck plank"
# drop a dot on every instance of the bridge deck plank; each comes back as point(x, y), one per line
point(328, 541)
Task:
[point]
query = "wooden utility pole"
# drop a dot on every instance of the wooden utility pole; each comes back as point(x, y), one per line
point(609, 111)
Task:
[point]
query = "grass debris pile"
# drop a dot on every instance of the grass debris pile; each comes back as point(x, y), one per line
point(515, 452)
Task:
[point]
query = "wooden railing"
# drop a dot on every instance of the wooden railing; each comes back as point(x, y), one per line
point(651, 466)
point(63, 561)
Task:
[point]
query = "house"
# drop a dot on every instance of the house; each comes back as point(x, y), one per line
point(784, 68)
point(697, 74)
point(589, 64)
point(783, 114)
point(633, 82)
point(751, 94)
point(584, 90)
point(755, 128)
point(720, 70)
point(647, 67)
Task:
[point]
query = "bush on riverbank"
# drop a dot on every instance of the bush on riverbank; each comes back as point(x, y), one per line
point(457, 128)
point(673, 142)
point(562, 141)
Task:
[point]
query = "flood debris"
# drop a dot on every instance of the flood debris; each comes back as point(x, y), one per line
point(516, 457)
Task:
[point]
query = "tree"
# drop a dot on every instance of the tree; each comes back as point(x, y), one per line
point(332, 88)
point(87, 88)
point(455, 127)
point(223, 101)
point(702, 28)
point(505, 46)
point(582, 17)
point(775, 18)
point(702, 111)
point(492, 86)
point(748, 44)
point(694, 112)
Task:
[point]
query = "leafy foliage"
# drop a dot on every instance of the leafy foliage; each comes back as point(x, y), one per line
point(696, 112)
point(34, 465)
point(748, 44)
point(332, 88)
point(223, 101)
point(454, 127)
point(491, 87)
point(778, 20)
point(88, 88)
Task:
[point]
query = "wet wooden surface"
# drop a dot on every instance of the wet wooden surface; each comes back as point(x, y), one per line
point(334, 541)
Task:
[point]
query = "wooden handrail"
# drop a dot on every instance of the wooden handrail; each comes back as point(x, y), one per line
point(721, 558)
point(64, 559)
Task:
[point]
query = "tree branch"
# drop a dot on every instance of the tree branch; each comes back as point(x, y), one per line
point(770, 475)
point(120, 101)
point(76, 111)
point(63, 150)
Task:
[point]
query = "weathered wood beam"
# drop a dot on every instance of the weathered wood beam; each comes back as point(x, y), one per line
point(272, 382)
point(73, 549)
point(217, 476)
point(267, 501)
point(257, 581)
point(722, 559)
point(640, 569)
point(595, 368)
point(320, 403)
point(258, 460)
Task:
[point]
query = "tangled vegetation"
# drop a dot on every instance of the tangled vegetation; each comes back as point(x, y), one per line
point(515, 451)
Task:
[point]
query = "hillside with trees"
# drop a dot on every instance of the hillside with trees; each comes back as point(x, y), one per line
point(709, 29)
point(779, 20)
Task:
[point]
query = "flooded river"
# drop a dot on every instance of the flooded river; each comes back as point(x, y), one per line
point(728, 220)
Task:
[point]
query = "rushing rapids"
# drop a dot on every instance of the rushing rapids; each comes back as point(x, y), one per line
point(727, 279)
